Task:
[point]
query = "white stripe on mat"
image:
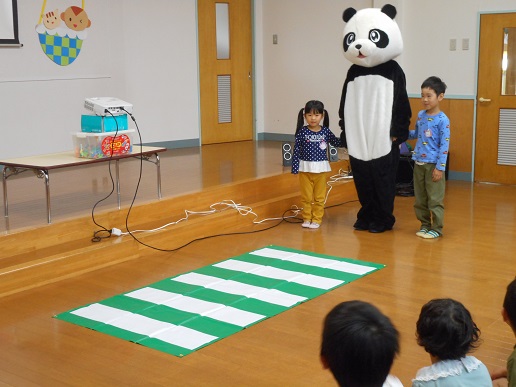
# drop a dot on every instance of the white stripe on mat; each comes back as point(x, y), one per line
point(271, 296)
point(169, 333)
point(213, 310)
point(345, 267)
point(281, 274)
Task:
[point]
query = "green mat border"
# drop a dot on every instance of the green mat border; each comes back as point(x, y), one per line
point(206, 324)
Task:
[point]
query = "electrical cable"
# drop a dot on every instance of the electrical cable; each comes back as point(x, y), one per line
point(339, 177)
point(104, 232)
point(226, 204)
point(231, 204)
point(208, 236)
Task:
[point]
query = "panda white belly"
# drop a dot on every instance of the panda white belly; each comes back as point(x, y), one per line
point(367, 116)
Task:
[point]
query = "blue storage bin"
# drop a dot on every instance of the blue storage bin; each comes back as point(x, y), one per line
point(101, 124)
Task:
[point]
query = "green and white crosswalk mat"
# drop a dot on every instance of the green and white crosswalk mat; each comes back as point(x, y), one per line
point(182, 314)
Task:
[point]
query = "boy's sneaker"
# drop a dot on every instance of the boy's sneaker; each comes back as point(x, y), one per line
point(306, 224)
point(421, 233)
point(314, 225)
point(431, 235)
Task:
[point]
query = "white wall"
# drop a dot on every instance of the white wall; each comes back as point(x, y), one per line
point(142, 52)
point(161, 69)
point(308, 61)
point(41, 102)
point(146, 53)
point(427, 30)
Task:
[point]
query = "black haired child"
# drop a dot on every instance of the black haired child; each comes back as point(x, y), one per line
point(310, 160)
point(448, 333)
point(430, 156)
point(359, 344)
point(507, 376)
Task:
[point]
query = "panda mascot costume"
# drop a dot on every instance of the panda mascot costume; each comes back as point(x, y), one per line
point(374, 112)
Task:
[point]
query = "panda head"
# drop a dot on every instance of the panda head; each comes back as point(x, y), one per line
point(371, 36)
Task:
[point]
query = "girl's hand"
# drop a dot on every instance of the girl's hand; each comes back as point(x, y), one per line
point(437, 175)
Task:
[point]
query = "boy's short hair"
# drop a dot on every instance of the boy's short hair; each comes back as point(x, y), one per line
point(446, 330)
point(359, 344)
point(509, 302)
point(436, 84)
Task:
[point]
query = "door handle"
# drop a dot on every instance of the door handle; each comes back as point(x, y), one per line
point(481, 99)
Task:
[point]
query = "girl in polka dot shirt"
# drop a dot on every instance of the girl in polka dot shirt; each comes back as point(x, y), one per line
point(310, 160)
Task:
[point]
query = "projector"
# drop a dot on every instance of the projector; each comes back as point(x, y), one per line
point(103, 106)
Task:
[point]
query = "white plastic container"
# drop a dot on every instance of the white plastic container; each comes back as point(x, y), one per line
point(102, 145)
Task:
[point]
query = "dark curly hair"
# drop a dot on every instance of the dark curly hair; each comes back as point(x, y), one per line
point(446, 330)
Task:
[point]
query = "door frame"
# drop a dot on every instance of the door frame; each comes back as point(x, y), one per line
point(477, 74)
point(253, 72)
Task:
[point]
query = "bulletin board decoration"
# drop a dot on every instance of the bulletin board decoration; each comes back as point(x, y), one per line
point(61, 34)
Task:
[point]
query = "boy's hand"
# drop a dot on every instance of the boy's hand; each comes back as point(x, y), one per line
point(498, 373)
point(437, 175)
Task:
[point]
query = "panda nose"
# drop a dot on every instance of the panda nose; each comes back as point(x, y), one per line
point(358, 46)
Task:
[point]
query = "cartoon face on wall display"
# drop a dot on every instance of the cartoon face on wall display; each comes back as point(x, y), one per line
point(371, 36)
point(62, 42)
point(51, 19)
point(76, 18)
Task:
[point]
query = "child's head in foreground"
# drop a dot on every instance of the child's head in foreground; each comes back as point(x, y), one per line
point(446, 330)
point(359, 344)
point(509, 305)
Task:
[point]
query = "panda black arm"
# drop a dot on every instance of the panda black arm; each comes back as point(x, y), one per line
point(401, 111)
point(342, 124)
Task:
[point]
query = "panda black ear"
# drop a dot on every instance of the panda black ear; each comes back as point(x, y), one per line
point(389, 10)
point(348, 14)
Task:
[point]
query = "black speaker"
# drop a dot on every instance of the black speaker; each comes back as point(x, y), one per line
point(333, 153)
point(405, 172)
point(287, 151)
point(405, 176)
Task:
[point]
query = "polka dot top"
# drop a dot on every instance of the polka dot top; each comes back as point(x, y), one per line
point(310, 150)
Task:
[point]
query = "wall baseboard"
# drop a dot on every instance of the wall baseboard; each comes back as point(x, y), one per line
point(276, 137)
point(462, 176)
point(194, 142)
point(176, 144)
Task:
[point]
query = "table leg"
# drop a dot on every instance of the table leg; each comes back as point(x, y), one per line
point(4, 181)
point(117, 174)
point(158, 170)
point(44, 173)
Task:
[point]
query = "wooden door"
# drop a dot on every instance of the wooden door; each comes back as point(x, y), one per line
point(495, 145)
point(226, 93)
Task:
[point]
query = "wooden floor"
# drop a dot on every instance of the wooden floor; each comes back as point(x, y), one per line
point(473, 263)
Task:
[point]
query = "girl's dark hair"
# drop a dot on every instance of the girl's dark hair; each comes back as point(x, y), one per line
point(436, 84)
point(446, 330)
point(312, 106)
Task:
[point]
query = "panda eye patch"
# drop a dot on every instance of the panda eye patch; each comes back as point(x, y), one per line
point(374, 36)
point(348, 40)
point(379, 38)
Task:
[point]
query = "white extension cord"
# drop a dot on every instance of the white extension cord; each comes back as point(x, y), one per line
point(214, 208)
point(341, 177)
point(242, 210)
